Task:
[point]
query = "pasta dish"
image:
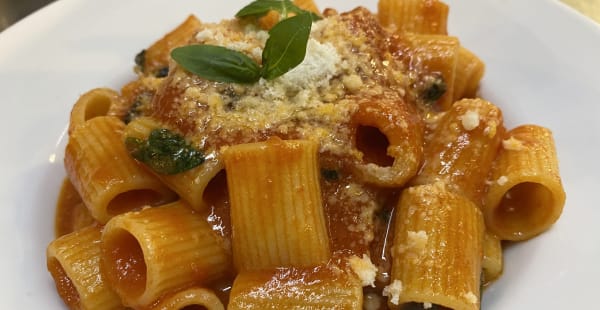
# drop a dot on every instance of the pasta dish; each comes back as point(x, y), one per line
point(298, 158)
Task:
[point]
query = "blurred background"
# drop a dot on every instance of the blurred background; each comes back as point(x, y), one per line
point(13, 10)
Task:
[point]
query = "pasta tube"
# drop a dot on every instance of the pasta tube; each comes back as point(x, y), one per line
point(323, 287)
point(148, 253)
point(74, 262)
point(492, 263)
point(462, 148)
point(397, 159)
point(437, 249)
point(109, 189)
point(469, 71)
point(189, 185)
point(157, 56)
point(94, 103)
point(525, 194)
point(71, 214)
point(418, 16)
point(277, 215)
point(190, 298)
point(435, 59)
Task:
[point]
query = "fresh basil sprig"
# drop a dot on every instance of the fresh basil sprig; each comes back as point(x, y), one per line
point(217, 63)
point(260, 8)
point(284, 50)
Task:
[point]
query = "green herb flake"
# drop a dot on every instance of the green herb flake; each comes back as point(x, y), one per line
point(330, 174)
point(217, 63)
point(165, 152)
point(434, 88)
point(286, 46)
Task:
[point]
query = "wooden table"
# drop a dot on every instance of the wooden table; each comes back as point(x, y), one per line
point(590, 8)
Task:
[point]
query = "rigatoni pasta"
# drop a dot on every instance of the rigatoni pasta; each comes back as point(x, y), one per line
point(354, 168)
point(109, 190)
point(74, 262)
point(525, 194)
point(94, 103)
point(437, 249)
point(461, 149)
point(276, 210)
point(189, 299)
point(418, 16)
point(322, 287)
point(150, 252)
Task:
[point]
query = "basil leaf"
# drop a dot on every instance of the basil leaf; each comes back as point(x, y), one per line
point(260, 8)
point(164, 152)
point(297, 10)
point(286, 46)
point(217, 63)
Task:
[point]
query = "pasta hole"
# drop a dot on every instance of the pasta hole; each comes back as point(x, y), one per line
point(216, 197)
point(194, 307)
point(64, 284)
point(97, 106)
point(216, 193)
point(124, 262)
point(524, 206)
point(132, 200)
point(373, 144)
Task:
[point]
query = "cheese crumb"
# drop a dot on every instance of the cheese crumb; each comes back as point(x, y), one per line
point(416, 242)
point(320, 64)
point(470, 297)
point(513, 144)
point(470, 120)
point(502, 180)
point(393, 291)
point(352, 82)
point(427, 305)
point(364, 269)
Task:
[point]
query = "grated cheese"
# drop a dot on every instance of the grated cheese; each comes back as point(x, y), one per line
point(470, 297)
point(513, 144)
point(393, 292)
point(364, 269)
point(470, 120)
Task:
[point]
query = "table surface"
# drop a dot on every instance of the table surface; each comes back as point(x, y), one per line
point(590, 8)
point(12, 11)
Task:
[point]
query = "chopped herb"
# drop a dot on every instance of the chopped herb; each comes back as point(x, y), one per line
point(284, 50)
point(140, 59)
point(330, 175)
point(162, 72)
point(434, 88)
point(140, 104)
point(165, 152)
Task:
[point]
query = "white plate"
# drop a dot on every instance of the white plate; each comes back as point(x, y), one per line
point(542, 67)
